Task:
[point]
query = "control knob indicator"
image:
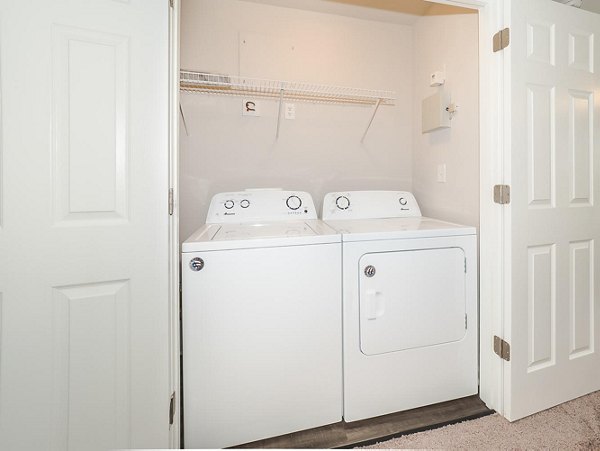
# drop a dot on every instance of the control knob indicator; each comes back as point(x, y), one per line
point(229, 204)
point(245, 203)
point(293, 202)
point(342, 202)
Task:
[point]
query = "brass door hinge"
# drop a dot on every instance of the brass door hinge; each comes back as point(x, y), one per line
point(501, 39)
point(502, 194)
point(502, 348)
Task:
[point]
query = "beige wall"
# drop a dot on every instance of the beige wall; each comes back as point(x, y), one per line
point(450, 41)
point(318, 152)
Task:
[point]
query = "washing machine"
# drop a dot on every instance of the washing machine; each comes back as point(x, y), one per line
point(261, 318)
point(409, 304)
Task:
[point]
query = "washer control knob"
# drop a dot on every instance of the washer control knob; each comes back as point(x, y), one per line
point(245, 203)
point(293, 202)
point(370, 271)
point(403, 201)
point(342, 202)
point(229, 204)
point(196, 264)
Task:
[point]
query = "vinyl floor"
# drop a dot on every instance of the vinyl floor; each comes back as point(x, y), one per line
point(365, 432)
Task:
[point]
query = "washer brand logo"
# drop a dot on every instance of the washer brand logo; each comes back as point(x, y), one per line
point(228, 214)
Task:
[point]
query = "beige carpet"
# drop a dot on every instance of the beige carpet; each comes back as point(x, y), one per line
point(574, 425)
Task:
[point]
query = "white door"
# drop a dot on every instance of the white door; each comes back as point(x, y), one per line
point(554, 309)
point(84, 224)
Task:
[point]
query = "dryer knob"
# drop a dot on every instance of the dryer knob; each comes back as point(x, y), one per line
point(293, 202)
point(403, 201)
point(245, 203)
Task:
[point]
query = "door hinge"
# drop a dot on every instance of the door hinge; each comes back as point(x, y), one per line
point(502, 194)
point(466, 322)
point(172, 409)
point(465, 265)
point(171, 3)
point(501, 39)
point(171, 203)
point(502, 348)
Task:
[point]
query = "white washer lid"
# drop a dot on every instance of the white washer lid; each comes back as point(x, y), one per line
point(397, 228)
point(211, 237)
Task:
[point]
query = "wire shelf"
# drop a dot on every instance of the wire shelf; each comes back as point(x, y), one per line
point(207, 83)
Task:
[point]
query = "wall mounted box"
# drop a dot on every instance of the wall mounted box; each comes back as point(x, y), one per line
point(434, 114)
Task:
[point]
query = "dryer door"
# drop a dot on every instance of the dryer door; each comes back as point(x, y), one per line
point(411, 299)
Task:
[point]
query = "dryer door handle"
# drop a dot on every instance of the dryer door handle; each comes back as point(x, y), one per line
point(375, 304)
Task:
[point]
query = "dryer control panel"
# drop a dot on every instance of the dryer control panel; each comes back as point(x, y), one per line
point(260, 205)
point(370, 205)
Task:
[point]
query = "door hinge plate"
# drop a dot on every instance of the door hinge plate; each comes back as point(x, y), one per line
point(502, 194)
point(171, 202)
point(172, 409)
point(171, 3)
point(501, 39)
point(502, 348)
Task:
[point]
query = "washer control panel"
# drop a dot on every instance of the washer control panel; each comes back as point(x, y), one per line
point(370, 205)
point(260, 205)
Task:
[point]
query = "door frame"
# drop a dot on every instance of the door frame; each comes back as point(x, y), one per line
point(174, 265)
point(494, 169)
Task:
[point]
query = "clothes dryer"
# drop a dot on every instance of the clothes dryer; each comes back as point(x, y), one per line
point(409, 304)
point(262, 351)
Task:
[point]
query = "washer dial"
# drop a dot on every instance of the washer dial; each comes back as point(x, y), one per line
point(244, 203)
point(229, 204)
point(293, 202)
point(403, 201)
point(342, 202)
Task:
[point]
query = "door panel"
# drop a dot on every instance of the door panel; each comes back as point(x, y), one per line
point(84, 224)
point(553, 314)
point(415, 298)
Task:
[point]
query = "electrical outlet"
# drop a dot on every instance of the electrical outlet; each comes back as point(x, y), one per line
point(441, 173)
point(290, 111)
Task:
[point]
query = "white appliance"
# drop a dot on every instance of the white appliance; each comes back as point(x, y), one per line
point(262, 351)
point(409, 304)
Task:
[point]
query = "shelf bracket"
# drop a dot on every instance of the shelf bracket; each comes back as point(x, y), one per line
point(279, 113)
point(375, 108)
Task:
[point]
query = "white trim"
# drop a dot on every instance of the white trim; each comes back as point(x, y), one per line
point(473, 4)
point(174, 295)
point(504, 309)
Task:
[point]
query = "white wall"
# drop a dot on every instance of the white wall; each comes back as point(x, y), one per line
point(449, 41)
point(318, 152)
